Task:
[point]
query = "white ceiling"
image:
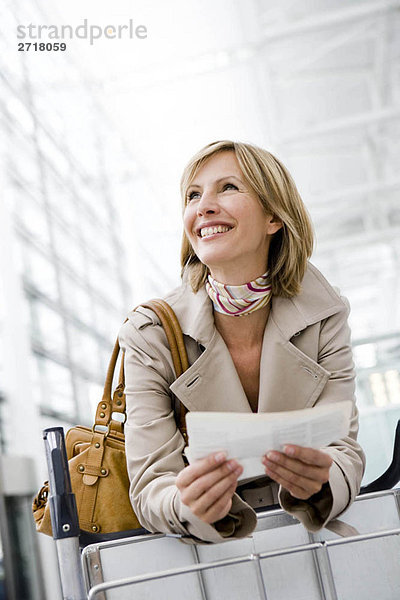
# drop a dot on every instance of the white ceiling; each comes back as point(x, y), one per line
point(317, 82)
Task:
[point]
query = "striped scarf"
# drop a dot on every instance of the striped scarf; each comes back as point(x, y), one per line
point(239, 300)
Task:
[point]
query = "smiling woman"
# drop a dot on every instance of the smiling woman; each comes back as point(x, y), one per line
point(257, 179)
point(240, 253)
point(246, 243)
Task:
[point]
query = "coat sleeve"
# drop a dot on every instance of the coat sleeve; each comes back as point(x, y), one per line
point(154, 446)
point(335, 355)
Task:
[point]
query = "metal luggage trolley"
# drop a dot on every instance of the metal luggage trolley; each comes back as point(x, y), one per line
point(281, 560)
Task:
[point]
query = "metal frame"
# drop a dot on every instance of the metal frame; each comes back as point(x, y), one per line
point(91, 557)
point(329, 591)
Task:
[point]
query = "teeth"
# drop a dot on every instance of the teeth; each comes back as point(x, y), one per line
point(212, 230)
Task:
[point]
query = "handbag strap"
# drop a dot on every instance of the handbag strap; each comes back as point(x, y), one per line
point(116, 402)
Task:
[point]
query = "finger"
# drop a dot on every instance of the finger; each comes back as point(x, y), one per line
point(308, 483)
point(221, 507)
point(203, 483)
point(293, 482)
point(295, 490)
point(308, 455)
point(297, 466)
point(214, 494)
point(200, 467)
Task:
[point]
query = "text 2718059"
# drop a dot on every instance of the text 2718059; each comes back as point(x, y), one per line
point(42, 46)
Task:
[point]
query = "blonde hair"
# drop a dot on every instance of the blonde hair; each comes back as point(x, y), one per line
point(291, 246)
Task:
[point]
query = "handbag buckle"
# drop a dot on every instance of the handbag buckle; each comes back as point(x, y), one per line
point(105, 429)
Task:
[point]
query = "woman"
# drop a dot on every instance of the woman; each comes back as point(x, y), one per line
point(264, 332)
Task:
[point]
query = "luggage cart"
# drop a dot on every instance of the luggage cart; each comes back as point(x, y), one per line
point(280, 560)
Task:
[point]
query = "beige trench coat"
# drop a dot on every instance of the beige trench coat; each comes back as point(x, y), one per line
point(306, 360)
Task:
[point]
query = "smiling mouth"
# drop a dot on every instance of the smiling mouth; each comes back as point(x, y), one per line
point(211, 232)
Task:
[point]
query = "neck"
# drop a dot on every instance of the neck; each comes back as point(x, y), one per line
point(243, 332)
point(235, 276)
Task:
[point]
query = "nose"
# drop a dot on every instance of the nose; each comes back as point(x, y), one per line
point(208, 203)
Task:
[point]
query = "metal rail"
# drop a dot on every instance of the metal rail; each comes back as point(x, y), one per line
point(254, 557)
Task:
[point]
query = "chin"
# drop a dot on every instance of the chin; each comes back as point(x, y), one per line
point(215, 262)
point(212, 257)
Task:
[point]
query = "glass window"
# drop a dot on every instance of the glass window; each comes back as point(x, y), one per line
point(69, 250)
point(378, 371)
point(378, 397)
point(23, 161)
point(107, 321)
point(56, 387)
point(51, 152)
point(100, 208)
point(97, 240)
point(89, 395)
point(81, 140)
point(61, 201)
point(60, 394)
point(17, 109)
point(385, 387)
point(31, 215)
point(103, 282)
point(84, 350)
point(76, 299)
point(91, 195)
point(39, 271)
point(36, 379)
point(12, 68)
point(377, 424)
point(48, 328)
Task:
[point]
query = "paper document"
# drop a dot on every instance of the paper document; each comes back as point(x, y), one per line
point(248, 436)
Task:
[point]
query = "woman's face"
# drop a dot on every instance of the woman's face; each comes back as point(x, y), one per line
point(219, 195)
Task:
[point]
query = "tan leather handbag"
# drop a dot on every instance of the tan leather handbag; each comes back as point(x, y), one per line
point(96, 457)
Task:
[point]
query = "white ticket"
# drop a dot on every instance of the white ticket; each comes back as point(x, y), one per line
point(248, 436)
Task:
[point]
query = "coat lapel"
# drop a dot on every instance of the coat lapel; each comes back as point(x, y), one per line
point(289, 379)
point(212, 383)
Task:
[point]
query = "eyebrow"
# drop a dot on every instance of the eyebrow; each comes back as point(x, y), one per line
point(217, 181)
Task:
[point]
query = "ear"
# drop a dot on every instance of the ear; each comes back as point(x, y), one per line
point(273, 224)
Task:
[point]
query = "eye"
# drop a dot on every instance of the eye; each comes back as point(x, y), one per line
point(227, 185)
point(190, 195)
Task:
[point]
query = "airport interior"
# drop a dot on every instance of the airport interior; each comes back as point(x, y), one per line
point(93, 143)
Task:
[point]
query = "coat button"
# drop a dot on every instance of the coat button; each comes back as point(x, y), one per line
point(297, 333)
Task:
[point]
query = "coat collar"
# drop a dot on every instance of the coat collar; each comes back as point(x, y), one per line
point(316, 301)
point(288, 377)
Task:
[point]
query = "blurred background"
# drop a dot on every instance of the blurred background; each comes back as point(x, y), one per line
point(93, 141)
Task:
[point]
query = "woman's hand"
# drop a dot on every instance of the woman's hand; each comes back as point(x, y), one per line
point(301, 471)
point(207, 486)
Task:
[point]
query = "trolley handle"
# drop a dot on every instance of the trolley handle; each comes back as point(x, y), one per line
point(64, 515)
